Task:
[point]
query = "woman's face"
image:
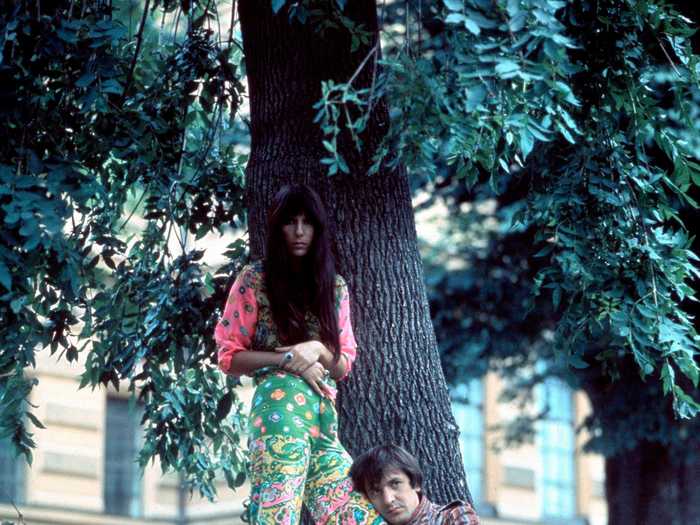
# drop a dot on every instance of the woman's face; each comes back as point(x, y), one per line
point(298, 234)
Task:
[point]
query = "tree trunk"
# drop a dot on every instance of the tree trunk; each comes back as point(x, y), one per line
point(653, 476)
point(649, 485)
point(397, 392)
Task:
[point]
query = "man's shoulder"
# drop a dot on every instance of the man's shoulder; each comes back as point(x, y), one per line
point(454, 513)
point(457, 513)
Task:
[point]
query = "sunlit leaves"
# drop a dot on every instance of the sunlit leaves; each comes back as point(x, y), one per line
point(615, 269)
point(502, 69)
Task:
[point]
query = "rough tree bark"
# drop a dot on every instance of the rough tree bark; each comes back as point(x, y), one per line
point(397, 391)
point(649, 484)
point(657, 479)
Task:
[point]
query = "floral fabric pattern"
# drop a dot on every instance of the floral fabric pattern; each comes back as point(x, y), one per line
point(296, 457)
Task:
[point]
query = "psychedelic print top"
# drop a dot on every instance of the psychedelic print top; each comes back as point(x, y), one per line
point(247, 324)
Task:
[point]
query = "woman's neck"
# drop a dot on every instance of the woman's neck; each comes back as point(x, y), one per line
point(296, 264)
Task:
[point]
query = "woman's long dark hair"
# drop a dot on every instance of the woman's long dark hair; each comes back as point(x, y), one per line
point(312, 289)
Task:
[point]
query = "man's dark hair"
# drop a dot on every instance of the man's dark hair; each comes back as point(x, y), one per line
point(369, 468)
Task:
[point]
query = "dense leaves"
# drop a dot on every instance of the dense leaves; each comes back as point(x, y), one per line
point(581, 109)
point(600, 212)
point(100, 127)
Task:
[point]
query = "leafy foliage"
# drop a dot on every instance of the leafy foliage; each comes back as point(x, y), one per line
point(97, 131)
point(613, 261)
point(570, 102)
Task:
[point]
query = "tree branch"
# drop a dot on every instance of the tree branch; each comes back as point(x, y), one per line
point(139, 42)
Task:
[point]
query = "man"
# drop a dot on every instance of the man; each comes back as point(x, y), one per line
point(391, 478)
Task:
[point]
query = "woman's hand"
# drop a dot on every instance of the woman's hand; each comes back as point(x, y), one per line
point(314, 376)
point(300, 356)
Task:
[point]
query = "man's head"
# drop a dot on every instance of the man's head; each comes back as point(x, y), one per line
point(391, 478)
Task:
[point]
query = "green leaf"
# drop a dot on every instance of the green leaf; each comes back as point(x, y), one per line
point(556, 297)
point(35, 420)
point(343, 165)
point(5, 277)
point(455, 18)
point(575, 361)
point(277, 5)
point(565, 133)
point(517, 22)
point(688, 366)
point(667, 377)
point(85, 80)
point(475, 96)
point(473, 28)
point(507, 67)
point(224, 406)
point(454, 5)
point(526, 143)
point(684, 405)
point(112, 86)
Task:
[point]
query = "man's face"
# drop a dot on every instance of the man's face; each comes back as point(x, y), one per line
point(394, 497)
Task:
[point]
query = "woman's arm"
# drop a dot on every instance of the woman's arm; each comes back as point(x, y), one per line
point(346, 337)
point(245, 363)
point(337, 369)
point(309, 352)
point(235, 330)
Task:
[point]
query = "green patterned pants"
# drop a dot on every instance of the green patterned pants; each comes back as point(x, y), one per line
point(296, 457)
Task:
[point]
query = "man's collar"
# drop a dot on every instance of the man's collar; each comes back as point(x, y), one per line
point(423, 503)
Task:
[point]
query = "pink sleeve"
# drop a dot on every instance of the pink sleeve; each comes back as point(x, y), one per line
point(235, 330)
point(348, 346)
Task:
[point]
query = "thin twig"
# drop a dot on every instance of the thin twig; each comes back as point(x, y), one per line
point(408, 28)
point(133, 211)
point(374, 81)
point(218, 25)
point(670, 61)
point(359, 68)
point(420, 26)
point(177, 23)
point(19, 513)
point(233, 22)
point(134, 59)
point(162, 26)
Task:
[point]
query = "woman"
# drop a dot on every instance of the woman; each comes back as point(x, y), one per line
point(287, 324)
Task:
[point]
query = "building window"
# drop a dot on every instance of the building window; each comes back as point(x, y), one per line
point(557, 448)
point(11, 474)
point(468, 409)
point(122, 477)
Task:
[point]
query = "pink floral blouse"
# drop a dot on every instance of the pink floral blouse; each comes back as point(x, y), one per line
point(247, 324)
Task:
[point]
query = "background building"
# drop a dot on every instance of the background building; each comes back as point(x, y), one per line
point(547, 480)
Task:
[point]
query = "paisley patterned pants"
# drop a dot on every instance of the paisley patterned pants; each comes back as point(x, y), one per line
point(296, 457)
